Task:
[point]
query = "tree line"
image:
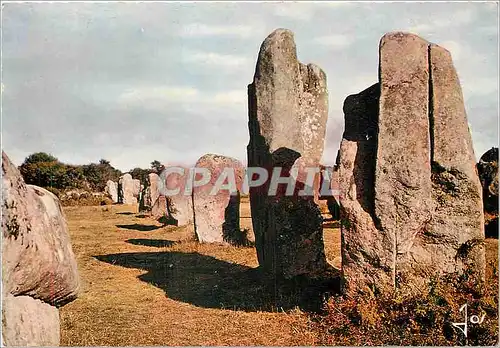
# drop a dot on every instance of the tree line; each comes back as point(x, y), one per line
point(45, 170)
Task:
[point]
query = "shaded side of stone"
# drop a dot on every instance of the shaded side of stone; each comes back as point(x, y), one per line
point(367, 258)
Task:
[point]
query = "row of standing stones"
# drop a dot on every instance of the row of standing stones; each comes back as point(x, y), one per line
point(410, 203)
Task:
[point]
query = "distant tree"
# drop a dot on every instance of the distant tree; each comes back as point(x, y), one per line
point(39, 157)
point(157, 166)
point(141, 174)
point(45, 170)
point(41, 169)
point(97, 175)
point(74, 177)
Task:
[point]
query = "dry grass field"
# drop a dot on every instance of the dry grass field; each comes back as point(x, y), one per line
point(144, 284)
point(148, 284)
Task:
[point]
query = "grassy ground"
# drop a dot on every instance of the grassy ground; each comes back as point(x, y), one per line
point(144, 284)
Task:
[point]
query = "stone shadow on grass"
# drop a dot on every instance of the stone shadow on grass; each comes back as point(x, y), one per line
point(139, 227)
point(205, 281)
point(157, 243)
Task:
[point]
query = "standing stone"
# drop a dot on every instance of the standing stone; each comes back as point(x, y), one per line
point(154, 190)
point(149, 193)
point(179, 206)
point(112, 190)
point(411, 201)
point(129, 189)
point(157, 203)
point(159, 208)
point(288, 110)
point(216, 216)
point(145, 201)
point(39, 271)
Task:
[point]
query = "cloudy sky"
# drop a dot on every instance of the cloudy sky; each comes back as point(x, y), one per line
point(135, 82)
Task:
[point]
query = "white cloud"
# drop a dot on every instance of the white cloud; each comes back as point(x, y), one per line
point(420, 29)
point(144, 94)
point(454, 48)
point(335, 3)
point(335, 41)
point(461, 17)
point(295, 11)
point(488, 30)
point(201, 30)
point(160, 97)
point(217, 59)
point(230, 97)
point(480, 86)
point(434, 23)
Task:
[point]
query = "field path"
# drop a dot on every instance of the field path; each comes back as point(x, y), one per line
point(144, 284)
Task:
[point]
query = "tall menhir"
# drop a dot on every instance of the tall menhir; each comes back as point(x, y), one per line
point(288, 110)
point(411, 203)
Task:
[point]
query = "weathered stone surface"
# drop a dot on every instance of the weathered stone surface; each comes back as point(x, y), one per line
point(154, 199)
point(366, 253)
point(112, 190)
point(37, 260)
point(453, 239)
point(128, 189)
point(288, 110)
point(179, 206)
point(154, 188)
point(488, 175)
point(29, 322)
point(216, 216)
point(145, 199)
point(403, 157)
point(149, 195)
point(159, 208)
point(410, 193)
